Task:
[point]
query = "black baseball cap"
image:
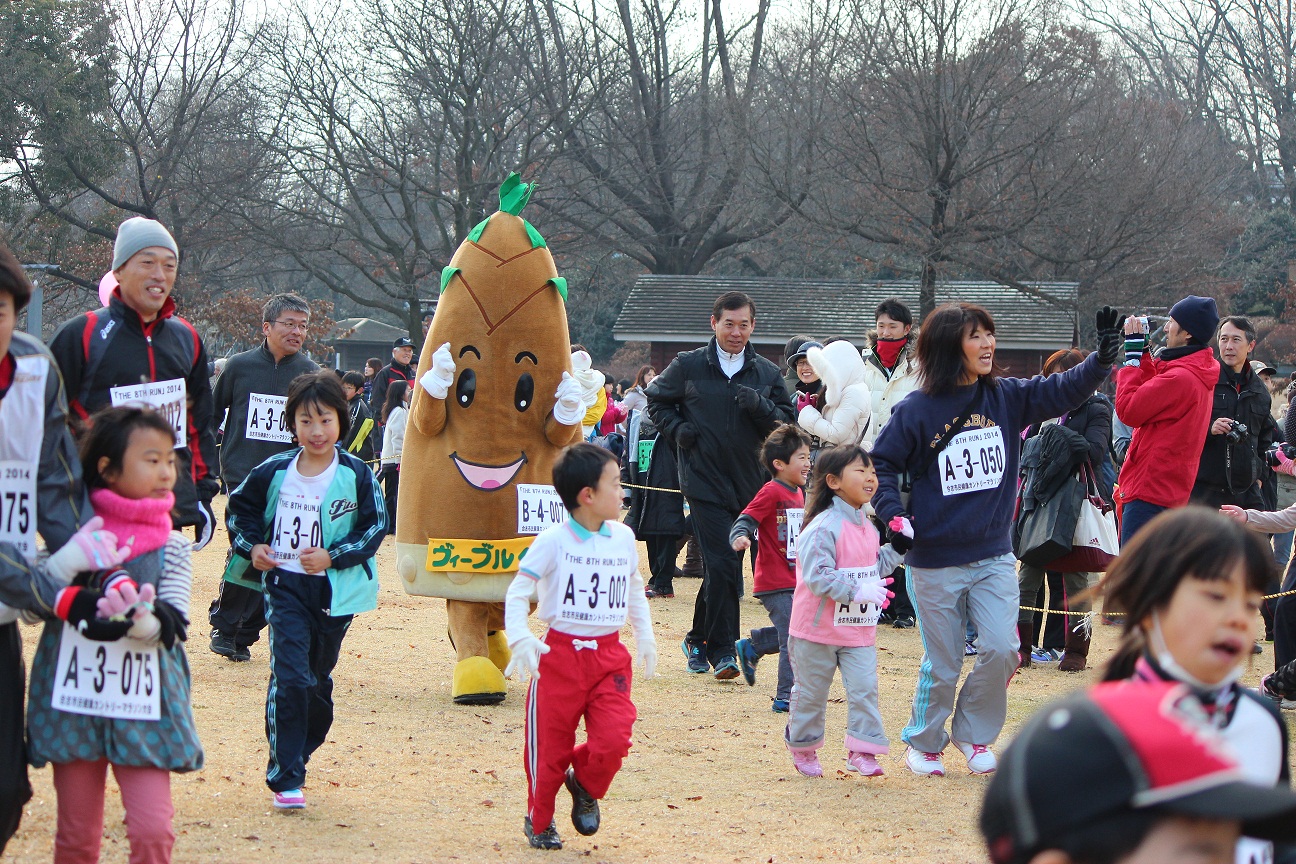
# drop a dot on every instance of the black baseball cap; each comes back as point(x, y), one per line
point(402, 342)
point(1119, 746)
point(801, 352)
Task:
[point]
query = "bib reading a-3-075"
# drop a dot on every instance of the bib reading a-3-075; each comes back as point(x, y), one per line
point(482, 420)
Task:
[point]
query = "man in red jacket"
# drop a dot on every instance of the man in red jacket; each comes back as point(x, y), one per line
point(1167, 401)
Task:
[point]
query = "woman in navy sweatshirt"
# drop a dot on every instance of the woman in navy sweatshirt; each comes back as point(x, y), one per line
point(953, 445)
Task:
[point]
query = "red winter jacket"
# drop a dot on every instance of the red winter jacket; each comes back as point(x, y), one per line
point(1168, 402)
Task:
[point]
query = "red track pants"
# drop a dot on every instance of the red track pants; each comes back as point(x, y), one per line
point(574, 682)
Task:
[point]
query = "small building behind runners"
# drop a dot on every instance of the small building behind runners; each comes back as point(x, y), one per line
point(673, 313)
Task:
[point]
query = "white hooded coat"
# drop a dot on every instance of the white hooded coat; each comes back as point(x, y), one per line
point(847, 401)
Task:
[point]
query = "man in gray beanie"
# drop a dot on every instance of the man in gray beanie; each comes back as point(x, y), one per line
point(1166, 399)
point(136, 349)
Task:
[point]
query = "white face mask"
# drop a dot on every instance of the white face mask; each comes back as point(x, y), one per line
point(1171, 666)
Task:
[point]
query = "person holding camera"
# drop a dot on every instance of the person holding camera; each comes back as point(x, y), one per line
point(1166, 400)
point(1232, 466)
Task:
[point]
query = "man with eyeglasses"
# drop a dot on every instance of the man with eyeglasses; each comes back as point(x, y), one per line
point(253, 389)
point(138, 350)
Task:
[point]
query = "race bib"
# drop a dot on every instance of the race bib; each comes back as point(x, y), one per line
point(538, 508)
point(266, 420)
point(18, 506)
point(296, 527)
point(794, 516)
point(120, 680)
point(165, 397)
point(973, 460)
point(644, 456)
point(595, 589)
point(858, 614)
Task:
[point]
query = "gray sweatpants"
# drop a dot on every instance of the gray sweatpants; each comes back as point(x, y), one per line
point(813, 665)
point(774, 640)
point(984, 592)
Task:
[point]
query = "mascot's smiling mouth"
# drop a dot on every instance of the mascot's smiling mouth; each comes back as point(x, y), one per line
point(488, 478)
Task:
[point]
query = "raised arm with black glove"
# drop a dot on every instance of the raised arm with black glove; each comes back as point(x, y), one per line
point(1110, 338)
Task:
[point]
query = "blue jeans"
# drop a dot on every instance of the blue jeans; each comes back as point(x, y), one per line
point(774, 640)
point(1134, 515)
point(304, 645)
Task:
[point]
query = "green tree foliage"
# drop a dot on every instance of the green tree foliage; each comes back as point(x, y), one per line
point(1259, 262)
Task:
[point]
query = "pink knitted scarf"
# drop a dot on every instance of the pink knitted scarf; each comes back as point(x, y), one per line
point(144, 524)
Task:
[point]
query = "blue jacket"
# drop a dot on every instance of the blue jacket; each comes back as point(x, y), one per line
point(956, 529)
point(354, 524)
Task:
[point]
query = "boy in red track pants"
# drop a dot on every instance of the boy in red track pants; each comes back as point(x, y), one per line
point(586, 572)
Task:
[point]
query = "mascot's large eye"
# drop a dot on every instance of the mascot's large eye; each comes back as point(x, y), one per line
point(466, 389)
point(524, 393)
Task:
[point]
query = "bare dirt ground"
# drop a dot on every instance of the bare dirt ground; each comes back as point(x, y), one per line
point(407, 776)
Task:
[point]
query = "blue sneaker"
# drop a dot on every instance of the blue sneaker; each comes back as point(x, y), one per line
point(779, 706)
point(726, 669)
point(697, 661)
point(747, 660)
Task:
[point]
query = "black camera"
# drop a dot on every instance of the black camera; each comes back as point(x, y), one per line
point(1236, 434)
point(1271, 455)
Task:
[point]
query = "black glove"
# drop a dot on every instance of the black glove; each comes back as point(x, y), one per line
point(174, 624)
point(748, 399)
point(205, 529)
point(1109, 323)
point(899, 542)
point(685, 436)
point(79, 607)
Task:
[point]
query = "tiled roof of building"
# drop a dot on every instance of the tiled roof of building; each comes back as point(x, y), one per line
point(678, 308)
point(365, 330)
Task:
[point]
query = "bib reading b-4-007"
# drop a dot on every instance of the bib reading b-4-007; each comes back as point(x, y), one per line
point(503, 314)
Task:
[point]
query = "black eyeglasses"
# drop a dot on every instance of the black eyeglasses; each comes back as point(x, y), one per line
point(293, 326)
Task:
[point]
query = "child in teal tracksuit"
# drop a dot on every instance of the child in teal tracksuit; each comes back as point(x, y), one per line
point(305, 526)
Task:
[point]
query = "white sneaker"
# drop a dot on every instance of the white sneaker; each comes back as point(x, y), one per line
point(925, 764)
point(980, 758)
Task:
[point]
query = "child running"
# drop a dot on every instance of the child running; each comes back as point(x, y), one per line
point(141, 723)
point(834, 613)
point(309, 521)
point(786, 455)
point(1190, 586)
point(586, 572)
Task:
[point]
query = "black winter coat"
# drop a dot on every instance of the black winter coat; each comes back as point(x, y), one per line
point(651, 512)
point(1093, 420)
point(1228, 471)
point(722, 466)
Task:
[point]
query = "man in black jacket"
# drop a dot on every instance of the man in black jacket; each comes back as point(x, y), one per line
point(717, 404)
point(1232, 460)
point(253, 389)
point(138, 350)
point(399, 369)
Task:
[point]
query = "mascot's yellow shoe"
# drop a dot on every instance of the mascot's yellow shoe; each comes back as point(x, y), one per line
point(500, 654)
point(477, 681)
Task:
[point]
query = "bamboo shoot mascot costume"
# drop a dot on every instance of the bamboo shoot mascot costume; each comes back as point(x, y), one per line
point(494, 404)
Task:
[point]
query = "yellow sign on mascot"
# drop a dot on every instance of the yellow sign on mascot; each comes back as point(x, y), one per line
point(493, 405)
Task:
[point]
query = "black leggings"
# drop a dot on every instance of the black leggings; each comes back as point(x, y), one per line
point(15, 790)
point(391, 485)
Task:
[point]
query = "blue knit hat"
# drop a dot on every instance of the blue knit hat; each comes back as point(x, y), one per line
point(139, 233)
point(1198, 315)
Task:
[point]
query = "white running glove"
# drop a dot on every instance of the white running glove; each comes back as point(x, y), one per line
point(89, 549)
point(569, 407)
point(526, 657)
point(437, 380)
point(874, 593)
point(647, 651)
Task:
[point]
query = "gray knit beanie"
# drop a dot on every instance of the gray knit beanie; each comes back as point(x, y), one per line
point(139, 233)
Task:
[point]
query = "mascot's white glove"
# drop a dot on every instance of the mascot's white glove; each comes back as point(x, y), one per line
point(647, 651)
point(437, 380)
point(569, 409)
point(89, 549)
point(526, 657)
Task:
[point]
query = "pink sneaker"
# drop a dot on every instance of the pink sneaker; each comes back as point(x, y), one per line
point(807, 762)
point(289, 799)
point(865, 763)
